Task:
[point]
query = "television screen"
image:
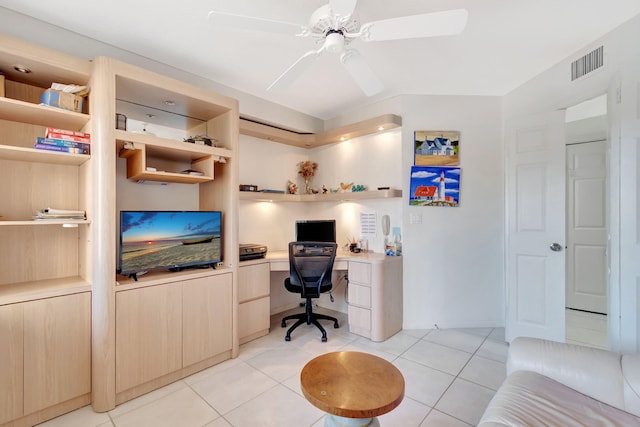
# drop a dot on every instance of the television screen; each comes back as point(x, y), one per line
point(316, 230)
point(152, 240)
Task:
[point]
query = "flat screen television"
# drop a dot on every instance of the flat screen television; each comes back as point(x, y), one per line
point(323, 230)
point(168, 240)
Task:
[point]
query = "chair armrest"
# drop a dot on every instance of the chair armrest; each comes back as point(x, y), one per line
point(596, 373)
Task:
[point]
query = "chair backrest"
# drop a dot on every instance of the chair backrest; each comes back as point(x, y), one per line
point(311, 263)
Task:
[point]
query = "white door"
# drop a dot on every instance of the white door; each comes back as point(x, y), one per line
point(535, 227)
point(587, 226)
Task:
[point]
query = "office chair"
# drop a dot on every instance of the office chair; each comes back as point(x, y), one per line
point(310, 267)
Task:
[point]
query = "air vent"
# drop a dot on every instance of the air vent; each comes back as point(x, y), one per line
point(588, 63)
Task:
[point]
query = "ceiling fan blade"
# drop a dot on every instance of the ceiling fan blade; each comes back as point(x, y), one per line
point(342, 7)
point(292, 73)
point(241, 22)
point(445, 23)
point(361, 72)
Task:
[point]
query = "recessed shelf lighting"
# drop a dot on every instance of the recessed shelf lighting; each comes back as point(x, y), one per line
point(22, 69)
point(380, 127)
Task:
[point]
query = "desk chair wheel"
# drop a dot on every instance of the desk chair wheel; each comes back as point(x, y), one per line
point(287, 337)
point(283, 324)
point(324, 338)
point(335, 325)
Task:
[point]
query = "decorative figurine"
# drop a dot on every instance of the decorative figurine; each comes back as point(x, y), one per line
point(344, 187)
point(324, 189)
point(292, 187)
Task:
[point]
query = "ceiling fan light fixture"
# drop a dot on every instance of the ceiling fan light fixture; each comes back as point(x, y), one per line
point(334, 41)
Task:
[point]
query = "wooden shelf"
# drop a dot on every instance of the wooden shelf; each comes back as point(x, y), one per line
point(170, 148)
point(329, 197)
point(42, 115)
point(310, 140)
point(9, 152)
point(26, 291)
point(31, 222)
point(138, 148)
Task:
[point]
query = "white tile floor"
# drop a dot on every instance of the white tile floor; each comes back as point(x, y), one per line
point(450, 376)
point(586, 328)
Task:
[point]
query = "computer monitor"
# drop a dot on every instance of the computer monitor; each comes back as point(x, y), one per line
point(323, 230)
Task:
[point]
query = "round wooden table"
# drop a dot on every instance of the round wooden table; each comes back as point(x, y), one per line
point(353, 388)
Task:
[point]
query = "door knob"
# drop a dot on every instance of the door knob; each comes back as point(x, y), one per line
point(556, 247)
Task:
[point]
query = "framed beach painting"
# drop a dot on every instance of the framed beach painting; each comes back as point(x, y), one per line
point(436, 148)
point(434, 186)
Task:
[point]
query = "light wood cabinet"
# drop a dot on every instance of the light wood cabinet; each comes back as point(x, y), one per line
point(254, 301)
point(167, 331)
point(45, 355)
point(207, 314)
point(57, 350)
point(11, 362)
point(375, 298)
point(149, 338)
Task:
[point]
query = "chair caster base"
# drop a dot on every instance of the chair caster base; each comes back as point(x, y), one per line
point(287, 338)
point(336, 326)
point(283, 325)
point(324, 339)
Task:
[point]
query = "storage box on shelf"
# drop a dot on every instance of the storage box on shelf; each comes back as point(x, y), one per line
point(45, 286)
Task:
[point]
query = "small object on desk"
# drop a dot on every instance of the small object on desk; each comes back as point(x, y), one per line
point(246, 187)
point(384, 188)
point(266, 190)
point(151, 169)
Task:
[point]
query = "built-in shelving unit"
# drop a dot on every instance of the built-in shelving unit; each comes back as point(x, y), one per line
point(198, 307)
point(45, 285)
point(328, 197)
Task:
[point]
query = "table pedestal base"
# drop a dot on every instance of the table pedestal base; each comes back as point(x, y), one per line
point(331, 420)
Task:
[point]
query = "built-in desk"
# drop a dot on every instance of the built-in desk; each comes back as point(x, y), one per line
point(374, 293)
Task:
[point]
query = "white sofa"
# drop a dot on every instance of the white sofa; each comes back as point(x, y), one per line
point(556, 384)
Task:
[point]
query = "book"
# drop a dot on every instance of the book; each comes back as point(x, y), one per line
point(62, 136)
point(66, 132)
point(63, 143)
point(62, 149)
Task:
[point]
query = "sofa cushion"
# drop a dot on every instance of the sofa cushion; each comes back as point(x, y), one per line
point(529, 399)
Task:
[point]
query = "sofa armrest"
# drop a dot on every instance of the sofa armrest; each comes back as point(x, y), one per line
point(593, 372)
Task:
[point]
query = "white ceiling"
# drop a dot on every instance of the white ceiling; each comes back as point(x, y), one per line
point(505, 43)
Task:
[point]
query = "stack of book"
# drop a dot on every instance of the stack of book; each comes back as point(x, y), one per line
point(49, 213)
point(65, 141)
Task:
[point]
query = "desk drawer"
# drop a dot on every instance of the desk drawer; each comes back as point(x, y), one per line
point(360, 321)
point(253, 281)
point(359, 295)
point(360, 272)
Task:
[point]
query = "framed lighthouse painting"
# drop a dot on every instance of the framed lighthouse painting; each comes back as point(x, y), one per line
point(434, 186)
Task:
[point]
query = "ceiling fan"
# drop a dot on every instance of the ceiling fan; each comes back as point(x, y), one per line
point(334, 28)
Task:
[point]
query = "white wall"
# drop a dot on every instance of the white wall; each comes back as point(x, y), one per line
point(453, 260)
point(553, 90)
point(373, 160)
